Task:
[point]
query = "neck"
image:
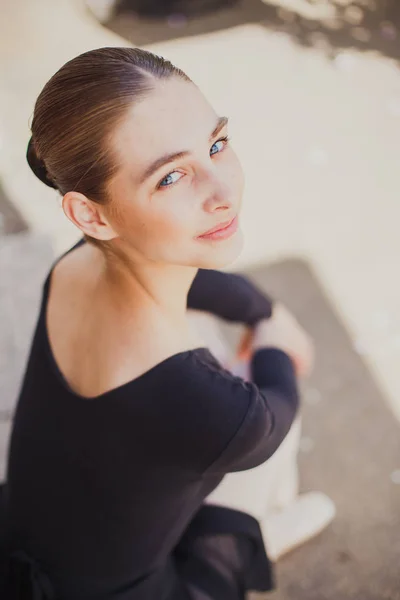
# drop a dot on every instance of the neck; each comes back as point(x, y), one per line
point(160, 287)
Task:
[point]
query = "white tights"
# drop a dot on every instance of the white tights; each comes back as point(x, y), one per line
point(269, 492)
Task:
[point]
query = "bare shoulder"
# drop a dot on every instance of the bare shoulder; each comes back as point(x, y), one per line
point(70, 280)
point(96, 345)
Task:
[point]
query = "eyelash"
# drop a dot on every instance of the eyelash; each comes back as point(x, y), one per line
point(226, 139)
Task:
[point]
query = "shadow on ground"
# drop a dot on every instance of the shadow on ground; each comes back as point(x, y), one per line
point(350, 450)
point(367, 25)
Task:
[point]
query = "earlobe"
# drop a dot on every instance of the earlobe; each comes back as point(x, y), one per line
point(87, 216)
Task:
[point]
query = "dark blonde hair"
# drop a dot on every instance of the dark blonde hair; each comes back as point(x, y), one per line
point(78, 110)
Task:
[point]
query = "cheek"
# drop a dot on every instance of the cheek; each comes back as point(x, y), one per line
point(235, 179)
point(160, 227)
point(169, 232)
point(172, 214)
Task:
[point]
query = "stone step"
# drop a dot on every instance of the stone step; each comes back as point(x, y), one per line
point(10, 219)
point(25, 259)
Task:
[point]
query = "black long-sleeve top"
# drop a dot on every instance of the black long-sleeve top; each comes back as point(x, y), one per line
point(100, 491)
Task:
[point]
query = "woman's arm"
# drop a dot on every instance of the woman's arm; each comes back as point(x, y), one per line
point(223, 423)
point(229, 296)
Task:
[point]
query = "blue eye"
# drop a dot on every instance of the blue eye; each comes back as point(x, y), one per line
point(169, 179)
point(175, 176)
point(219, 145)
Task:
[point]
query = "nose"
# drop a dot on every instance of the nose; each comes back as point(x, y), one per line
point(217, 194)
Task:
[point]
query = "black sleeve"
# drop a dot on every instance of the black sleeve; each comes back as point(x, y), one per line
point(229, 296)
point(232, 425)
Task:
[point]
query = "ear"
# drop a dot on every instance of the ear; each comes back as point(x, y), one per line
point(88, 216)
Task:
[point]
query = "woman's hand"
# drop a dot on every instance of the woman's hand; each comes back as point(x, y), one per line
point(281, 331)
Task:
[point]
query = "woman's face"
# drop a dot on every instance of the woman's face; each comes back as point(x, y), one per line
point(179, 178)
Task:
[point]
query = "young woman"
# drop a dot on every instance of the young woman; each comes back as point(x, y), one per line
point(125, 423)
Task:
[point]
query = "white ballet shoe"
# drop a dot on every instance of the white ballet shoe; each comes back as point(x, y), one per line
point(306, 517)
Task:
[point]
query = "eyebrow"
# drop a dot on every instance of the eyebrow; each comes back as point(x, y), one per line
point(168, 158)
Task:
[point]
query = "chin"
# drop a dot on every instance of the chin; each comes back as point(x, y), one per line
point(217, 255)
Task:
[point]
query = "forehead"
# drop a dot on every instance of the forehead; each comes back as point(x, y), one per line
point(172, 117)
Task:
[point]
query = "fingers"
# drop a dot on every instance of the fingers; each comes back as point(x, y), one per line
point(244, 350)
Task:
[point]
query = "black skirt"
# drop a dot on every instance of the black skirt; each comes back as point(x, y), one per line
point(221, 556)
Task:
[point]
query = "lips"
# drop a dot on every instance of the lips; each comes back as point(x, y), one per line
point(222, 231)
point(219, 227)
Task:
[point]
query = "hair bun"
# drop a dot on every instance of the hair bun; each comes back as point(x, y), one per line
point(37, 165)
